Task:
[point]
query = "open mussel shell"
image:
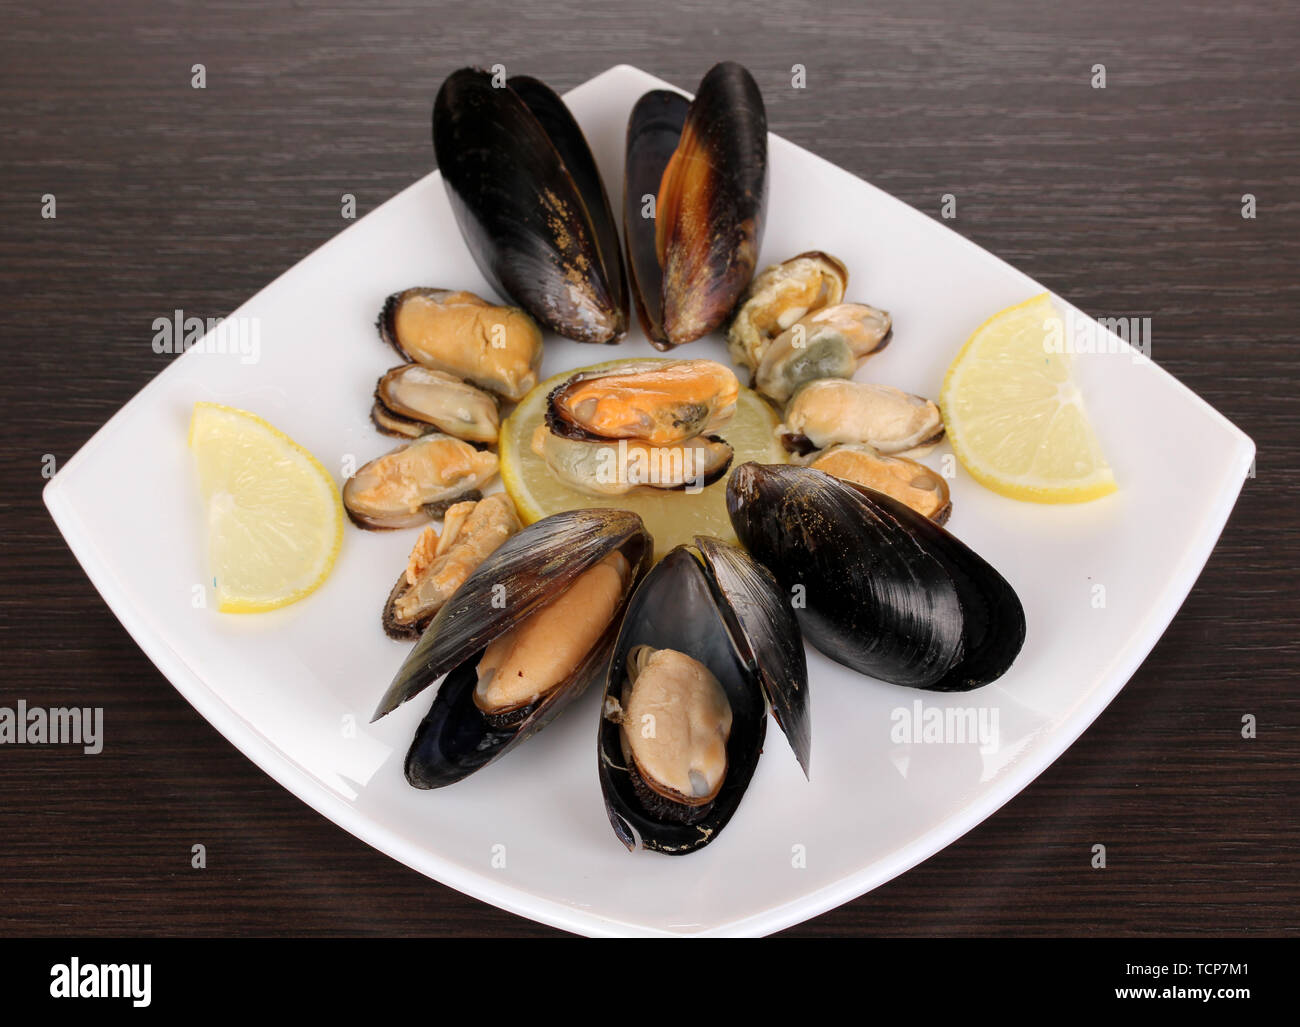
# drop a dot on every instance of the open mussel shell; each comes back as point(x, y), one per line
point(705, 164)
point(884, 590)
point(455, 738)
point(717, 607)
point(529, 201)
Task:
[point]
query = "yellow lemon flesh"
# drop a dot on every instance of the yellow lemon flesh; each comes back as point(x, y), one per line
point(671, 517)
point(275, 520)
point(1015, 419)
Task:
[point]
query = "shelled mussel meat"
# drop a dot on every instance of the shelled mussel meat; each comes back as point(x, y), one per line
point(458, 333)
point(412, 400)
point(833, 342)
point(885, 590)
point(417, 482)
point(694, 202)
point(778, 297)
point(906, 480)
point(525, 634)
point(528, 198)
point(439, 564)
point(832, 410)
point(708, 641)
point(647, 423)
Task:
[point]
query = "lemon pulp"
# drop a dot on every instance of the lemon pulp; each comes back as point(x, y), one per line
point(274, 516)
point(1014, 417)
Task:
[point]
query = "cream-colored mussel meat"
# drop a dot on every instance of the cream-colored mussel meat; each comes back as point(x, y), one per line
point(832, 410)
point(674, 727)
point(417, 482)
point(778, 297)
point(909, 482)
point(411, 400)
point(539, 654)
point(495, 348)
point(439, 564)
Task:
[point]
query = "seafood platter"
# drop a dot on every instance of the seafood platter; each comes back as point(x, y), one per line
point(649, 509)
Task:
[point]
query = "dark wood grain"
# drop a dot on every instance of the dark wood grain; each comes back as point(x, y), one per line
point(1126, 200)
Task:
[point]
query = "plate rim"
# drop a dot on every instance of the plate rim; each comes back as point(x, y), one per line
point(520, 901)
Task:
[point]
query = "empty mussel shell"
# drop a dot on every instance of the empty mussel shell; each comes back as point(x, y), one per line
point(529, 201)
point(884, 590)
point(705, 618)
point(412, 400)
point(694, 201)
point(458, 333)
point(416, 482)
point(572, 574)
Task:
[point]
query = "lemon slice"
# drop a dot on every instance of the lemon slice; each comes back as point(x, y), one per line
point(275, 521)
point(1015, 419)
point(671, 517)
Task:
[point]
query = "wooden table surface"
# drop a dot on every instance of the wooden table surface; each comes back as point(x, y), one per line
point(1127, 200)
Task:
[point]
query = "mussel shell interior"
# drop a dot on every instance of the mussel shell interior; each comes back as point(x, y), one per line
point(887, 591)
point(675, 608)
point(766, 634)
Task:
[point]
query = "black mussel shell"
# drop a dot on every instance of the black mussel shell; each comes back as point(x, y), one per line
point(529, 201)
point(691, 264)
point(766, 634)
point(884, 590)
point(455, 738)
point(676, 607)
point(524, 572)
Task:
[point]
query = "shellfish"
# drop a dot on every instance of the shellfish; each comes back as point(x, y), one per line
point(778, 297)
point(886, 591)
point(526, 633)
point(495, 348)
point(694, 200)
point(832, 410)
point(439, 564)
point(416, 482)
point(707, 642)
point(906, 480)
point(660, 402)
point(412, 400)
point(617, 468)
point(833, 342)
point(528, 198)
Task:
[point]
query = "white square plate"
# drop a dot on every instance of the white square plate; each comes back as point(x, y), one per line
point(285, 686)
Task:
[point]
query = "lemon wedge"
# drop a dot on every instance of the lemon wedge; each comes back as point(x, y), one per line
point(275, 520)
point(1015, 419)
point(671, 517)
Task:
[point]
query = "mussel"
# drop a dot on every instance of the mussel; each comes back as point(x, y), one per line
point(906, 480)
point(708, 641)
point(833, 342)
point(495, 348)
point(828, 411)
point(694, 201)
point(617, 468)
point(657, 401)
point(525, 634)
point(530, 203)
point(881, 588)
point(412, 400)
point(417, 482)
point(439, 564)
point(778, 297)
